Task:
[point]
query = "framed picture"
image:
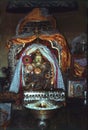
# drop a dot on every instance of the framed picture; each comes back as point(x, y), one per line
point(76, 88)
point(79, 66)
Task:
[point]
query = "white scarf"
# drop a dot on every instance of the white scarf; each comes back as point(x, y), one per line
point(15, 84)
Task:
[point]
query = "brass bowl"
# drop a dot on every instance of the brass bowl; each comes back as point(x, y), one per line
point(43, 109)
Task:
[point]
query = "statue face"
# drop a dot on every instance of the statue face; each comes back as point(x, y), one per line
point(38, 59)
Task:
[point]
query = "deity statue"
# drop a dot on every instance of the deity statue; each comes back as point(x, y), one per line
point(40, 73)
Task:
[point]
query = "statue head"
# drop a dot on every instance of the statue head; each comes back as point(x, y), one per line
point(38, 58)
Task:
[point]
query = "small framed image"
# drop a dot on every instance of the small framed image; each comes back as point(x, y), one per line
point(76, 88)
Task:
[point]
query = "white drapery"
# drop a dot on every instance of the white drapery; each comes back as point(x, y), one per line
point(15, 84)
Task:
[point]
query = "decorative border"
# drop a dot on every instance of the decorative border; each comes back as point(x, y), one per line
point(19, 6)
